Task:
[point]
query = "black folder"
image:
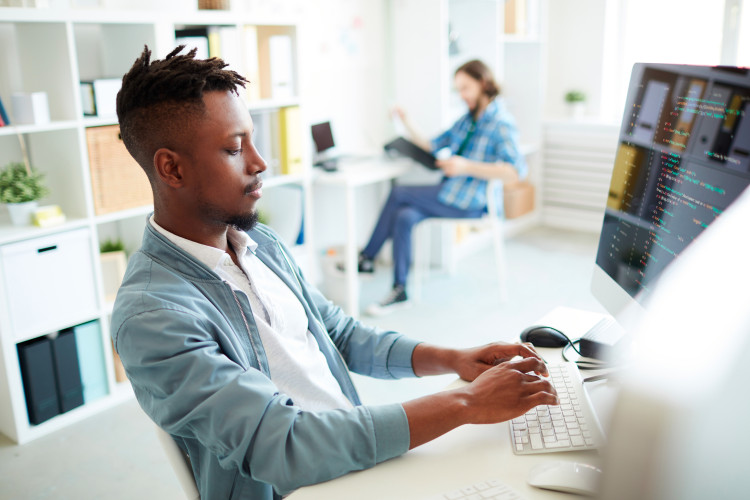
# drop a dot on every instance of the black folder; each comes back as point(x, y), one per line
point(67, 371)
point(411, 150)
point(38, 375)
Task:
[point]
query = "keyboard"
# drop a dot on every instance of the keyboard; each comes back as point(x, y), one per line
point(483, 490)
point(571, 426)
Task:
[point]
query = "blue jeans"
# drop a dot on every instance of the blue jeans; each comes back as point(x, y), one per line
point(407, 206)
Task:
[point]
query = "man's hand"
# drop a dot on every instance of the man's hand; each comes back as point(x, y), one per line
point(508, 390)
point(454, 166)
point(499, 393)
point(470, 363)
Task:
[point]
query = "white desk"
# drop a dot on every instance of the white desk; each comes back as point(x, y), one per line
point(464, 456)
point(351, 175)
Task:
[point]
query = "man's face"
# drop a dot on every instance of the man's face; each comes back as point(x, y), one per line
point(469, 89)
point(223, 166)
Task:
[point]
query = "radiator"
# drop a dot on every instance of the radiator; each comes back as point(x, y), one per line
point(577, 163)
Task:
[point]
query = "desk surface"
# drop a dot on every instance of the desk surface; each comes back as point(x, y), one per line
point(468, 454)
point(353, 172)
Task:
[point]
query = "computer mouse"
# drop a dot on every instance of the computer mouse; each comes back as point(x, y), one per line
point(544, 336)
point(568, 477)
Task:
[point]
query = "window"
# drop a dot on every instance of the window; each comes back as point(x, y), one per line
point(670, 31)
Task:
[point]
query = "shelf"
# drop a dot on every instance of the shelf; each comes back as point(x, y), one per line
point(284, 180)
point(10, 234)
point(30, 129)
point(99, 121)
point(124, 214)
point(272, 104)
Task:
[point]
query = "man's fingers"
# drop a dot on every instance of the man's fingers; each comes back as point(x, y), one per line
point(541, 398)
point(525, 365)
point(537, 386)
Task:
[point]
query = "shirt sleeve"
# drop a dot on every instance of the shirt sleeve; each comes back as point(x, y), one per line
point(442, 141)
point(508, 148)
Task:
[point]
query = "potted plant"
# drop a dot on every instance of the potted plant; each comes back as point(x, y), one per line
point(20, 189)
point(576, 103)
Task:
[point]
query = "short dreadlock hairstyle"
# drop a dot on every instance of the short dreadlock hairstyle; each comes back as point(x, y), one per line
point(160, 99)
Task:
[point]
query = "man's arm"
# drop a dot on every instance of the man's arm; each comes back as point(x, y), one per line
point(500, 393)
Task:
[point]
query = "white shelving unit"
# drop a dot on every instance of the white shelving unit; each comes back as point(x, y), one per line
point(52, 50)
point(462, 30)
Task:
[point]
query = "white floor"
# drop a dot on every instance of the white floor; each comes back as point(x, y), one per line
point(115, 454)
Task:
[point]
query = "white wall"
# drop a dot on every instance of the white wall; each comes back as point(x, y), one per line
point(575, 38)
point(344, 78)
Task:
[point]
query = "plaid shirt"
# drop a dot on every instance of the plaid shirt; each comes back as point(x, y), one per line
point(495, 139)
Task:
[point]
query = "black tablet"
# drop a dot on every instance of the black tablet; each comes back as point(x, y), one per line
point(411, 150)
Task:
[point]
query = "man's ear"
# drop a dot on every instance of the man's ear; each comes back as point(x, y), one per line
point(168, 167)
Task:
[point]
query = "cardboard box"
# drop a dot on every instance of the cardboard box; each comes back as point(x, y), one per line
point(518, 199)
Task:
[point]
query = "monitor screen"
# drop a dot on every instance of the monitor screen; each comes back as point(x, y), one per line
point(683, 157)
point(322, 136)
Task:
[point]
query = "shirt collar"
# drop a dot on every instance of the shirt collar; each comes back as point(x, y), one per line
point(489, 112)
point(208, 255)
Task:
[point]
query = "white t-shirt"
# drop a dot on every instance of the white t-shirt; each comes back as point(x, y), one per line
point(297, 366)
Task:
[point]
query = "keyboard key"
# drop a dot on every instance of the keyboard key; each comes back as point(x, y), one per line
point(577, 440)
point(558, 427)
point(536, 441)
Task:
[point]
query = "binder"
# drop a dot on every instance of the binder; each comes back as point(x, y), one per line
point(290, 128)
point(3, 115)
point(67, 372)
point(251, 68)
point(89, 348)
point(38, 376)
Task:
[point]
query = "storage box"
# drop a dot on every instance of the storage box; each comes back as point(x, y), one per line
point(29, 108)
point(117, 181)
point(48, 282)
point(518, 199)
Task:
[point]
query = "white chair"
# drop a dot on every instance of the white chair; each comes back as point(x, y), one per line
point(494, 222)
point(180, 464)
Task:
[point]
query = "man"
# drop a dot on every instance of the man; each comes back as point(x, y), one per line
point(226, 345)
point(482, 145)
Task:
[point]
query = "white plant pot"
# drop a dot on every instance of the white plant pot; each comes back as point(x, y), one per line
point(20, 213)
point(576, 110)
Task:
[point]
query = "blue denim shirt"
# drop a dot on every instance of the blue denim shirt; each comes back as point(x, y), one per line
point(198, 370)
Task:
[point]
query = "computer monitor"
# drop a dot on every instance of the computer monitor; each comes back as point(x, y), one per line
point(683, 157)
point(322, 137)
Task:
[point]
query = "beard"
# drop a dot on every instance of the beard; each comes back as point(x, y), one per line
point(241, 222)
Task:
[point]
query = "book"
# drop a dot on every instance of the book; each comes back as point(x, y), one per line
point(3, 115)
point(38, 376)
point(67, 371)
point(266, 139)
point(251, 69)
point(282, 70)
point(90, 352)
point(290, 135)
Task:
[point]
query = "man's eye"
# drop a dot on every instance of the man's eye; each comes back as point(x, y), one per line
point(234, 152)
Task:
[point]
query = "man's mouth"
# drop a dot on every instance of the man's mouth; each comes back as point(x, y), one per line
point(255, 190)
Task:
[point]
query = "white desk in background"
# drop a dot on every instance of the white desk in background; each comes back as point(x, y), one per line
point(352, 174)
point(471, 453)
